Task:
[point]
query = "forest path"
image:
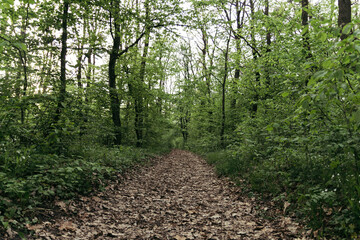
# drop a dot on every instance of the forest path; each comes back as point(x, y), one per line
point(177, 197)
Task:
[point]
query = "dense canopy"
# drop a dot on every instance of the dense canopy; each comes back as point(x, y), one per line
point(267, 90)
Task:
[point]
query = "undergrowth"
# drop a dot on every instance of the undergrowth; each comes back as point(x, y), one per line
point(29, 179)
point(317, 195)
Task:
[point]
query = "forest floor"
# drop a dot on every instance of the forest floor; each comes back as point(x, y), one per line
point(177, 197)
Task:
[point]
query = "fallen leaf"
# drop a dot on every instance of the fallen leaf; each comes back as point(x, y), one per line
point(286, 205)
point(62, 205)
point(178, 237)
point(10, 232)
point(67, 225)
point(34, 227)
point(96, 199)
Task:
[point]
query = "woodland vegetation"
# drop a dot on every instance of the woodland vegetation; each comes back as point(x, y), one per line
point(267, 90)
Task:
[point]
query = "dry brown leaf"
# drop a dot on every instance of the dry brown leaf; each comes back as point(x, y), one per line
point(62, 205)
point(67, 225)
point(36, 227)
point(178, 237)
point(286, 205)
point(10, 232)
point(178, 196)
point(96, 199)
point(292, 229)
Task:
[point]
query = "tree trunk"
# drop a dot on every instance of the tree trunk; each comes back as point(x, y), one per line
point(79, 77)
point(23, 62)
point(223, 100)
point(344, 15)
point(238, 51)
point(268, 33)
point(305, 23)
point(139, 103)
point(254, 105)
point(114, 97)
point(62, 91)
point(305, 33)
point(268, 50)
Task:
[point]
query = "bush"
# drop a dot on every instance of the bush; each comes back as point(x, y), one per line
point(29, 179)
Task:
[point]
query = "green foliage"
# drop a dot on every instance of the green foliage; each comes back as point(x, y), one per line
point(295, 122)
point(278, 107)
point(29, 179)
point(225, 164)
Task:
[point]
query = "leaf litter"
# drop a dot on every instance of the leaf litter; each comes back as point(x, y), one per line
point(177, 197)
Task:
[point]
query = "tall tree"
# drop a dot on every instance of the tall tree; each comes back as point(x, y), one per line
point(23, 58)
point(64, 36)
point(223, 91)
point(114, 54)
point(268, 43)
point(255, 54)
point(139, 98)
point(305, 32)
point(344, 15)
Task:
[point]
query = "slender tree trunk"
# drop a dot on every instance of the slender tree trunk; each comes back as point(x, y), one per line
point(207, 76)
point(139, 108)
point(139, 104)
point(236, 74)
point(305, 24)
point(223, 100)
point(79, 69)
point(238, 51)
point(268, 33)
point(79, 77)
point(88, 74)
point(305, 33)
point(268, 50)
point(62, 92)
point(344, 15)
point(23, 62)
point(254, 105)
point(114, 97)
point(204, 52)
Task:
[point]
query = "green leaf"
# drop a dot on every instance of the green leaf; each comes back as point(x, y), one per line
point(347, 28)
point(320, 74)
point(328, 63)
point(20, 46)
point(338, 74)
point(285, 94)
point(5, 224)
point(356, 116)
point(357, 47)
point(322, 36)
point(357, 33)
point(269, 128)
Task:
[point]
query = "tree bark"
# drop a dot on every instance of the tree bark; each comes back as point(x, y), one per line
point(23, 59)
point(344, 15)
point(114, 97)
point(62, 91)
point(254, 104)
point(238, 51)
point(223, 100)
point(139, 98)
point(305, 24)
point(139, 105)
point(305, 33)
point(268, 50)
point(268, 33)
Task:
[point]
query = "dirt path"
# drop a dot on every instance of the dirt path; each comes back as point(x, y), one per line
point(178, 197)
